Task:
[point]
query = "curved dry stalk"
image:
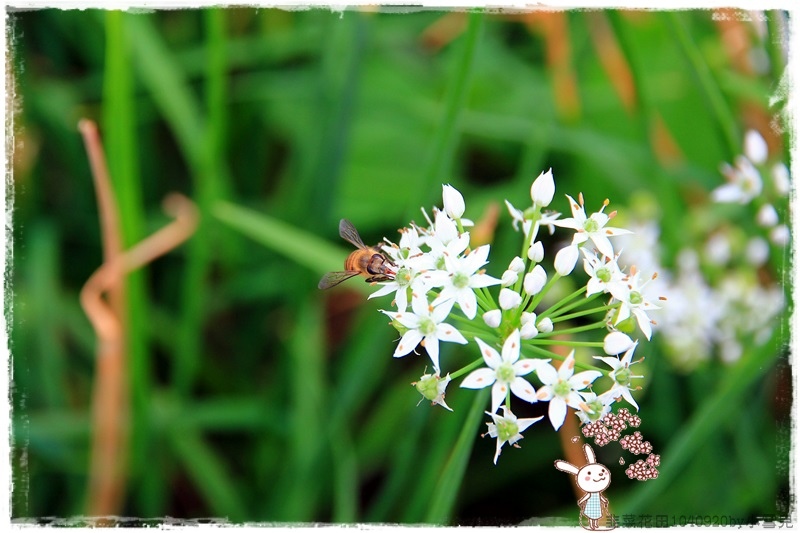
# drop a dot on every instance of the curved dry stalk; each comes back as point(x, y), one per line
point(110, 398)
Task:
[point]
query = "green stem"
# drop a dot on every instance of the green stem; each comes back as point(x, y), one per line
point(469, 368)
point(570, 331)
point(552, 355)
point(533, 302)
point(708, 85)
point(555, 307)
point(560, 308)
point(585, 312)
point(551, 342)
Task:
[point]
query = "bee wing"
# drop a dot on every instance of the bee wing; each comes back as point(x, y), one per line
point(331, 279)
point(349, 233)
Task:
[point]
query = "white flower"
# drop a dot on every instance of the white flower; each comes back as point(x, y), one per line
point(780, 235)
point(462, 277)
point(432, 388)
point(616, 342)
point(593, 227)
point(508, 428)
point(565, 260)
point(780, 178)
point(518, 217)
point(543, 189)
point(509, 299)
point(744, 182)
point(757, 251)
point(561, 387)
point(602, 271)
point(536, 252)
point(767, 216)
point(504, 372)
point(594, 407)
point(633, 300)
point(493, 318)
point(426, 324)
point(755, 147)
point(453, 202)
point(534, 280)
point(621, 375)
point(444, 240)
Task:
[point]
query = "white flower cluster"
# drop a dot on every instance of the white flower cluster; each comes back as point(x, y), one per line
point(441, 294)
point(719, 302)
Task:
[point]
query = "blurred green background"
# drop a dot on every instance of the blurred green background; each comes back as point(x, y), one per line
point(253, 396)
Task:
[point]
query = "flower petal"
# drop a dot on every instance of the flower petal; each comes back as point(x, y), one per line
point(446, 332)
point(478, 379)
point(547, 374)
point(408, 342)
point(511, 347)
point(499, 392)
point(489, 354)
point(524, 390)
point(557, 412)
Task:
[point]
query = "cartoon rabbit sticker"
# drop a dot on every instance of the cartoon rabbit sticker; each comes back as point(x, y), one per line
point(593, 479)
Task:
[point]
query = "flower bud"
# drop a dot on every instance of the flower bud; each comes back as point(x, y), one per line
point(755, 147)
point(616, 342)
point(536, 252)
point(545, 325)
point(565, 260)
point(543, 189)
point(509, 278)
point(534, 280)
point(453, 202)
point(509, 299)
point(528, 329)
point(517, 265)
point(492, 318)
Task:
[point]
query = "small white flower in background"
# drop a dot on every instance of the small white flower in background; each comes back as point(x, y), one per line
point(561, 387)
point(780, 178)
point(718, 248)
point(536, 252)
point(565, 260)
point(767, 216)
point(503, 372)
point(593, 227)
point(755, 147)
point(757, 251)
point(602, 271)
point(453, 202)
point(459, 281)
point(432, 388)
point(509, 299)
point(543, 189)
point(621, 375)
point(493, 318)
point(616, 342)
point(508, 428)
point(534, 280)
point(780, 235)
point(744, 182)
point(633, 300)
point(426, 324)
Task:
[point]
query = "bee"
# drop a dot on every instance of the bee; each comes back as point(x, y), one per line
point(368, 261)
